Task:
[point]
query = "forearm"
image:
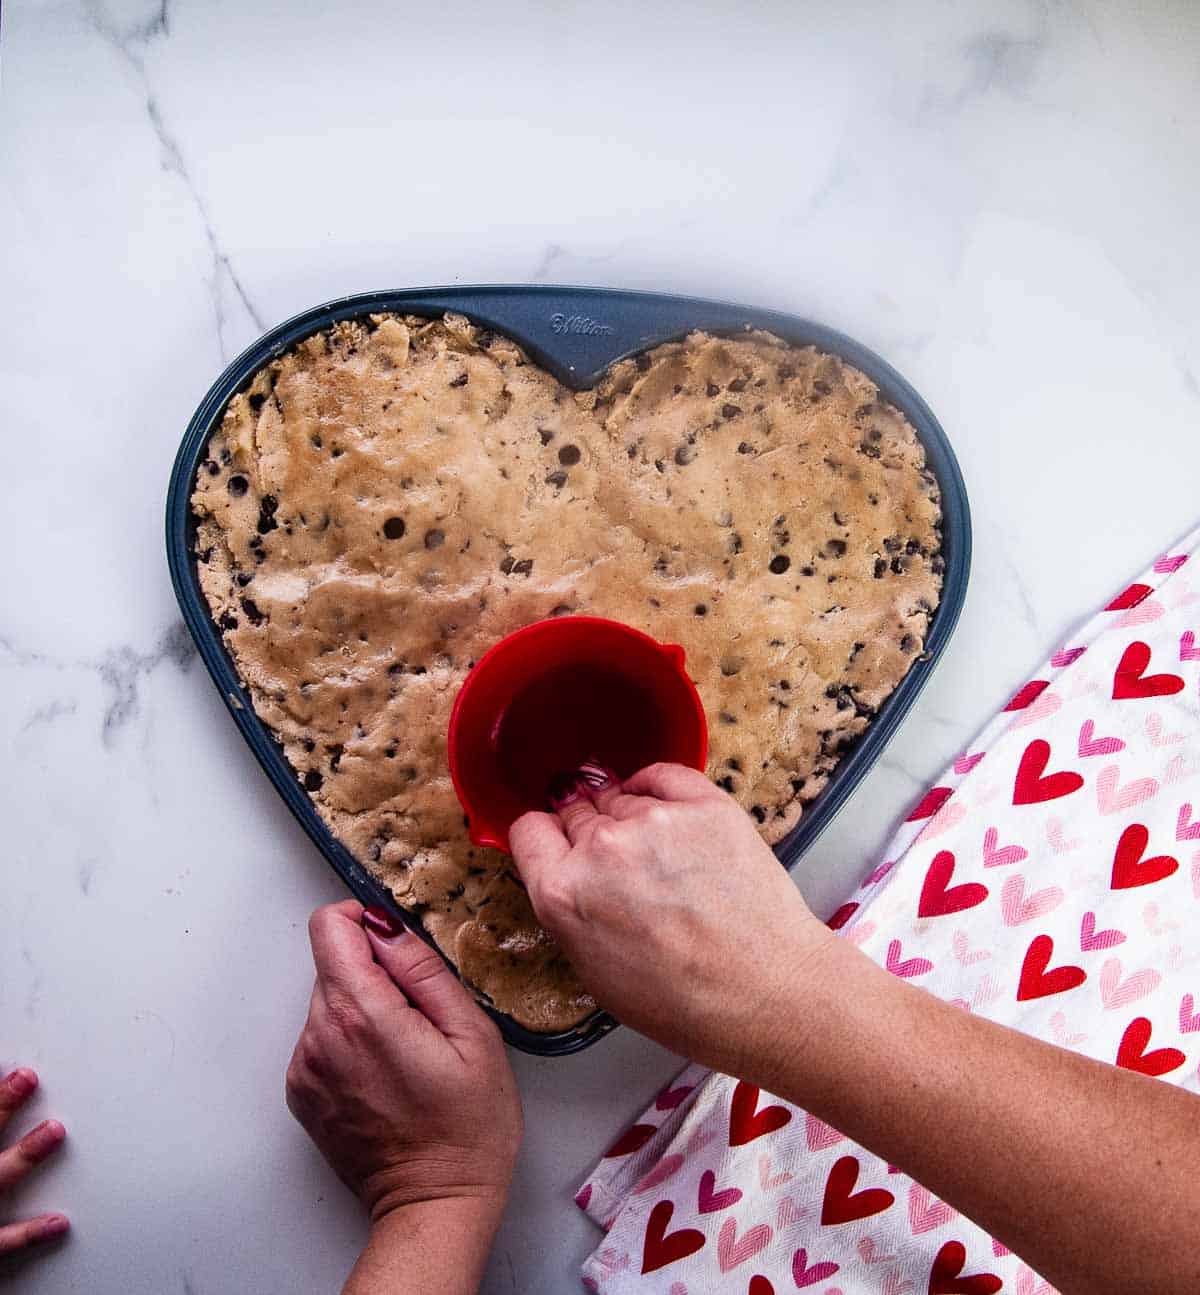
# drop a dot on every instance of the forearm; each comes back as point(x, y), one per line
point(438, 1245)
point(1082, 1169)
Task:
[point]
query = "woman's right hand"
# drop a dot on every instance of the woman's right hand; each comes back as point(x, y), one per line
point(671, 907)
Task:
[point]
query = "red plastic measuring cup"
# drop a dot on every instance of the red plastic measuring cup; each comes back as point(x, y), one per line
point(559, 692)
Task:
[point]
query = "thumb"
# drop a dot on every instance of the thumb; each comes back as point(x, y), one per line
point(539, 847)
point(421, 974)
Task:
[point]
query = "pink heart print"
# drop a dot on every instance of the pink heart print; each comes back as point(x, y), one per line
point(1188, 651)
point(1066, 656)
point(806, 1274)
point(996, 856)
point(766, 1180)
point(1178, 770)
point(1169, 563)
point(1028, 1283)
point(895, 1284)
point(1154, 731)
point(1146, 611)
point(925, 1212)
point(1112, 798)
point(1185, 829)
point(1115, 992)
point(820, 1135)
point(869, 1254)
point(678, 1288)
point(788, 1212)
point(1189, 1018)
point(1090, 745)
point(666, 1168)
point(1046, 704)
point(1058, 842)
point(709, 1200)
point(964, 953)
point(950, 815)
point(733, 1251)
point(1062, 1036)
point(906, 970)
point(987, 991)
point(1017, 909)
point(1090, 939)
point(963, 764)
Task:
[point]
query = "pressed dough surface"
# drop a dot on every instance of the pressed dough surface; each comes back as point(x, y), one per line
point(394, 495)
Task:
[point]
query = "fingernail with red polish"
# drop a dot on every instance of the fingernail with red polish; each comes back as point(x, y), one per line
point(563, 789)
point(381, 923)
point(54, 1225)
point(22, 1082)
point(595, 775)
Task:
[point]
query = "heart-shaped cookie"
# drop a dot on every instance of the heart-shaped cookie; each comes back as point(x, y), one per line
point(393, 494)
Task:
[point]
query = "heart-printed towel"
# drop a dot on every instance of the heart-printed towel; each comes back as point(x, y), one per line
point(1048, 881)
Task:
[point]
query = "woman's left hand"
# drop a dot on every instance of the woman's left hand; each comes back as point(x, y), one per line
point(399, 1077)
point(20, 1160)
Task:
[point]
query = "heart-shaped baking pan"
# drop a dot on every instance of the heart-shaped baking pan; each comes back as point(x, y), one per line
point(575, 334)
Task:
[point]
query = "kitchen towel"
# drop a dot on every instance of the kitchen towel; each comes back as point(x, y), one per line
point(1049, 881)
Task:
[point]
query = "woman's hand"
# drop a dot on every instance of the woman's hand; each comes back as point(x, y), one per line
point(676, 914)
point(19, 1161)
point(402, 1082)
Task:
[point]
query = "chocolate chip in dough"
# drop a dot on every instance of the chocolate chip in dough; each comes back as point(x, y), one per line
point(394, 528)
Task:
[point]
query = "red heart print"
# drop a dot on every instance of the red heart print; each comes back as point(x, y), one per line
point(1169, 563)
point(670, 1098)
point(1188, 651)
point(1090, 939)
point(1185, 829)
point(930, 803)
point(745, 1123)
point(963, 764)
point(1037, 981)
point(945, 1277)
point(633, 1139)
point(819, 1134)
point(660, 1248)
point(995, 855)
point(1017, 909)
point(666, 1168)
point(906, 970)
point(1033, 785)
point(760, 1286)
point(1066, 656)
point(842, 916)
point(1129, 597)
point(583, 1195)
point(1027, 693)
point(939, 898)
point(1090, 745)
point(842, 1204)
point(1132, 1054)
point(1130, 680)
point(1115, 992)
point(1112, 798)
point(733, 1251)
point(1130, 869)
point(804, 1274)
point(1189, 1018)
point(925, 1213)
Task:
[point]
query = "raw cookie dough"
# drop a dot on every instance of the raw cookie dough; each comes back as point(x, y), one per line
point(394, 495)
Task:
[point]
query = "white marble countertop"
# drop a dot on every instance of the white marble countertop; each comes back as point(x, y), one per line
point(1002, 199)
